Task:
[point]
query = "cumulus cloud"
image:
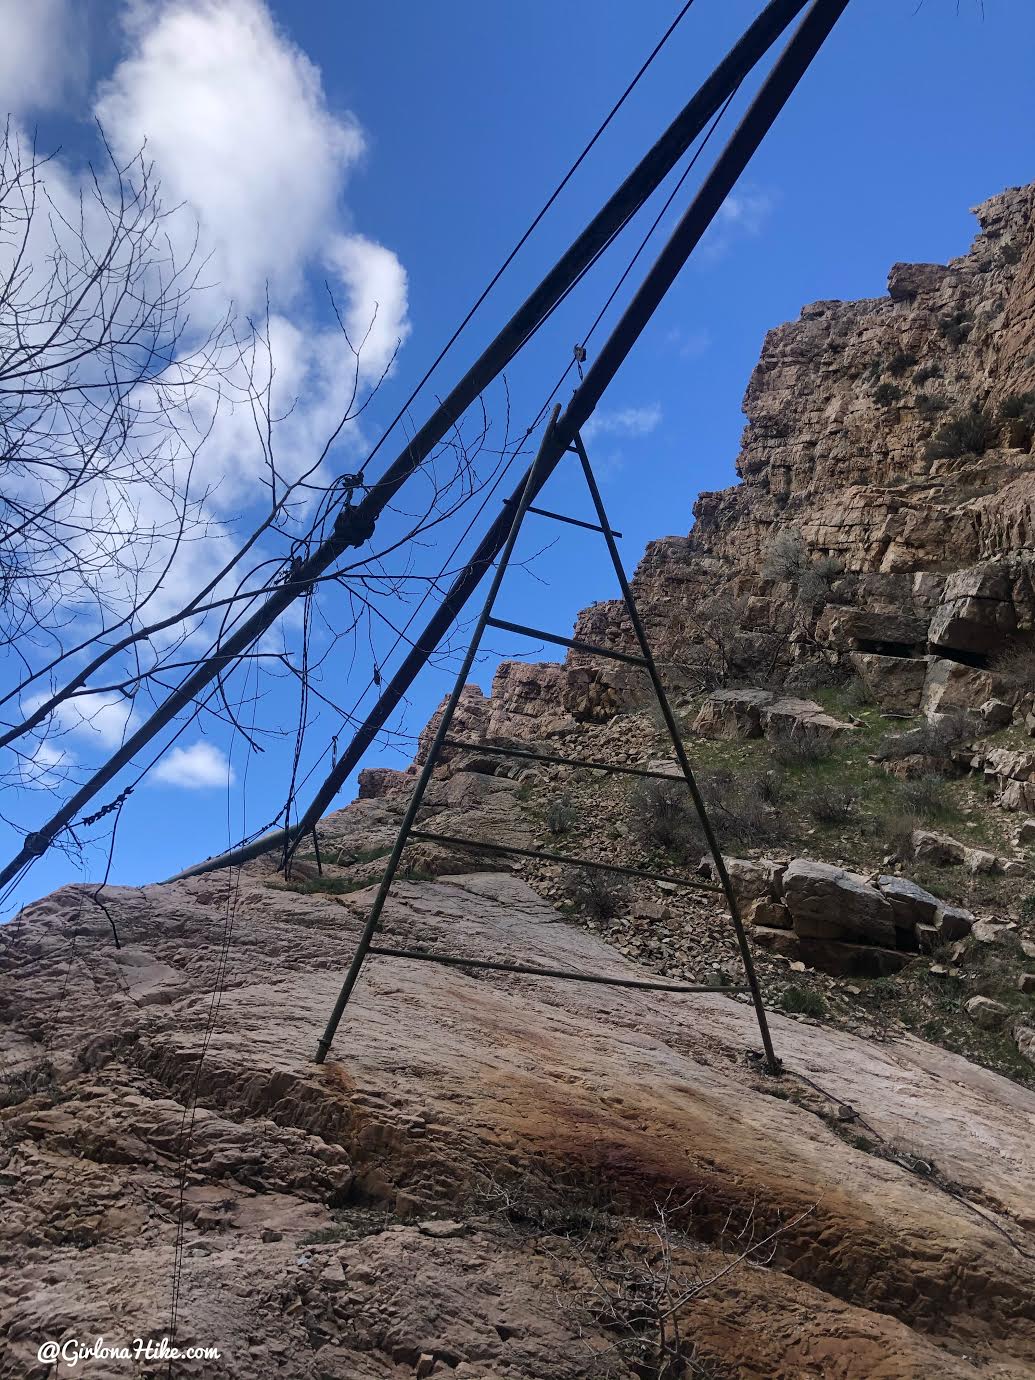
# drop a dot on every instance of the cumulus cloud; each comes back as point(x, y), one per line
point(625, 422)
point(235, 119)
point(42, 56)
point(102, 717)
point(196, 767)
point(376, 284)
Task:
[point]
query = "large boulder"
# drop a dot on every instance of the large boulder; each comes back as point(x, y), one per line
point(831, 956)
point(763, 713)
point(951, 686)
point(977, 613)
point(863, 628)
point(895, 682)
point(911, 903)
point(1012, 774)
point(828, 902)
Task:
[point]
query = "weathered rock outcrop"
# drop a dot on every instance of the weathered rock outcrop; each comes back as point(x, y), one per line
point(417, 1206)
point(927, 543)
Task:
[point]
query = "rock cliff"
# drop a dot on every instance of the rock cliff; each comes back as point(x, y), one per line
point(885, 519)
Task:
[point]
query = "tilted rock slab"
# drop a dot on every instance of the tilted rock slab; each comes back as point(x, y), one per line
point(447, 1094)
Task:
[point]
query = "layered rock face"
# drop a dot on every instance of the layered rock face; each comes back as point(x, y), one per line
point(891, 440)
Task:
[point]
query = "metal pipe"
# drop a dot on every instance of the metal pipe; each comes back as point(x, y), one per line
point(455, 841)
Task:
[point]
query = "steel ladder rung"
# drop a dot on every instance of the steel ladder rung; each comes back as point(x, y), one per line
point(428, 837)
point(562, 761)
point(455, 961)
point(504, 626)
point(563, 517)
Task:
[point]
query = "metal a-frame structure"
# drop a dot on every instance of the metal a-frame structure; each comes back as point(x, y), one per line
point(408, 829)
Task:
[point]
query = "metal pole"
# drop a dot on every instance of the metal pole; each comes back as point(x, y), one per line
point(786, 73)
point(367, 936)
point(773, 1063)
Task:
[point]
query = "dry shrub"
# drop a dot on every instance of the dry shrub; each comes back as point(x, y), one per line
point(561, 817)
point(935, 739)
point(597, 893)
point(831, 803)
point(1016, 668)
point(801, 750)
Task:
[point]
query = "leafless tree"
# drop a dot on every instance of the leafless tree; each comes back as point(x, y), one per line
point(109, 393)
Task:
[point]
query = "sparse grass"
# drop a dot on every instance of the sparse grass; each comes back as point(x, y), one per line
point(802, 1001)
point(891, 828)
point(663, 816)
point(926, 797)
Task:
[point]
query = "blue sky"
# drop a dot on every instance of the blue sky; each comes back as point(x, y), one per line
point(431, 134)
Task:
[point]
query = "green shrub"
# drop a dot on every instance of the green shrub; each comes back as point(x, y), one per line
point(802, 1001)
point(1028, 906)
point(930, 404)
point(1018, 406)
point(926, 372)
point(900, 361)
point(955, 327)
point(967, 434)
point(886, 394)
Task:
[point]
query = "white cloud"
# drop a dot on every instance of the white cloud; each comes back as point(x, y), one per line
point(743, 215)
point(195, 767)
point(687, 343)
point(625, 421)
point(235, 119)
point(42, 56)
point(102, 717)
point(376, 284)
point(747, 209)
